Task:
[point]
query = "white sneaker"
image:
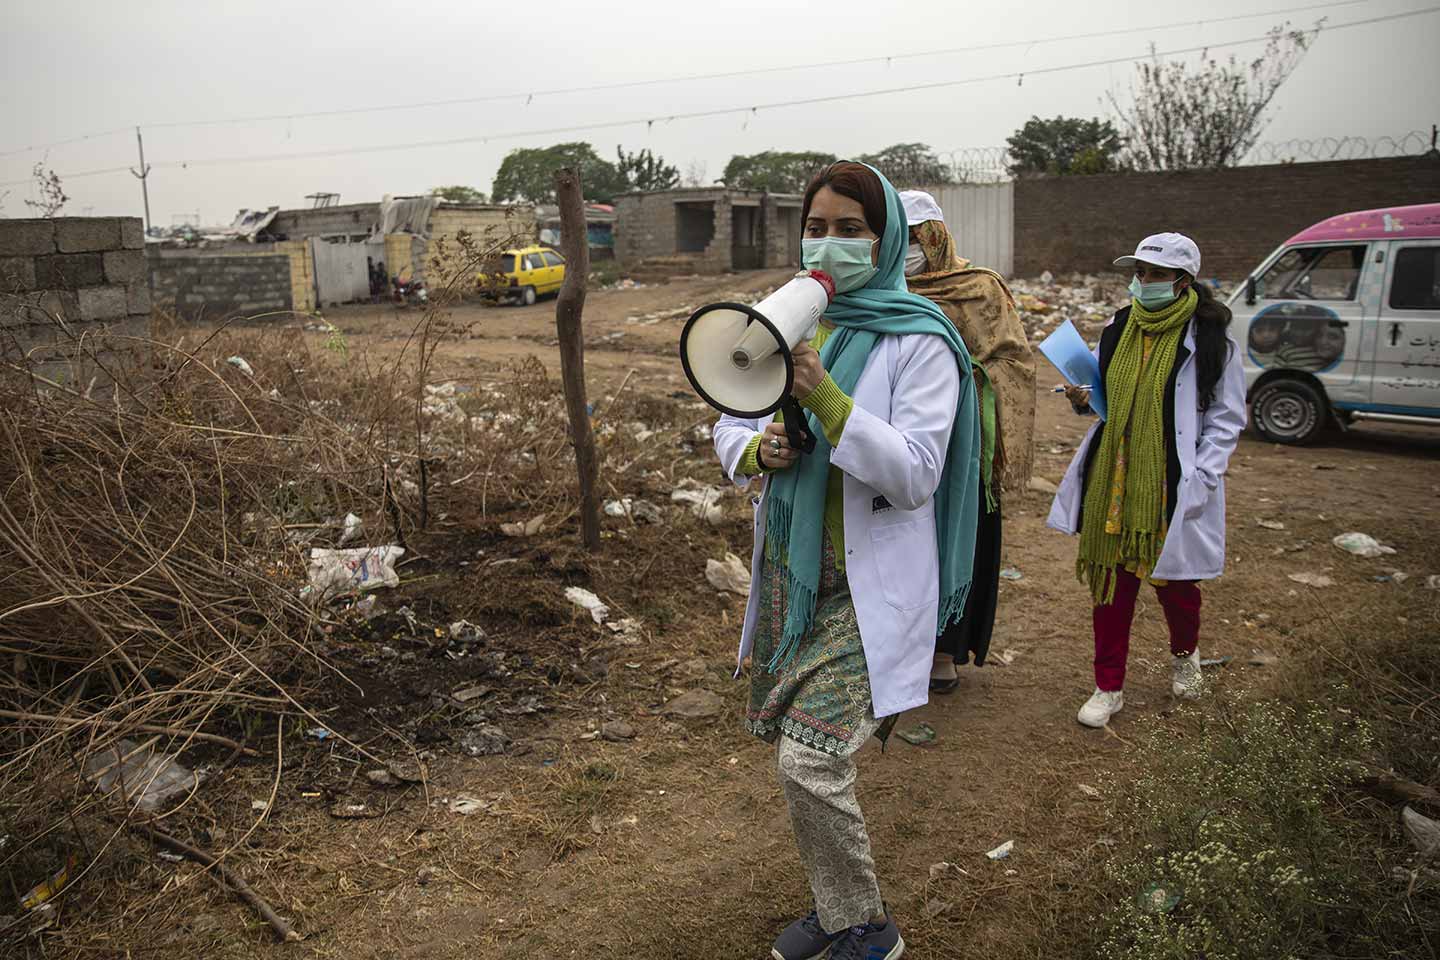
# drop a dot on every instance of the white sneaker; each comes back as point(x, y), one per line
point(1102, 705)
point(1185, 679)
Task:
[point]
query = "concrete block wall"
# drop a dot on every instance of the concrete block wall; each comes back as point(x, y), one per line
point(782, 232)
point(302, 273)
point(197, 285)
point(88, 272)
point(644, 227)
point(1236, 216)
point(489, 225)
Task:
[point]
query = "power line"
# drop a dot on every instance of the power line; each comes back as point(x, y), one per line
point(727, 111)
point(756, 71)
point(61, 143)
point(690, 78)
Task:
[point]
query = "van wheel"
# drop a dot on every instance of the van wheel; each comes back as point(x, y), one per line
point(527, 296)
point(1288, 411)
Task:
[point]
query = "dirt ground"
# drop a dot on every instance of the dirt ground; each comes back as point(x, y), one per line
point(675, 844)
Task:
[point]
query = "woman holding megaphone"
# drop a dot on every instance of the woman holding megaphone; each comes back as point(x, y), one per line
point(863, 547)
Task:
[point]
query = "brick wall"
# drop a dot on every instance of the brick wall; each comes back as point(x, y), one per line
point(1236, 216)
point(219, 286)
point(86, 271)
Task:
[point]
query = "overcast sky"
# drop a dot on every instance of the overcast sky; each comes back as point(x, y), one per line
point(79, 68)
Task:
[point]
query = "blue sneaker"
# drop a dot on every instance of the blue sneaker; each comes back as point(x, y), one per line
point(870, 942)
point(804, 940)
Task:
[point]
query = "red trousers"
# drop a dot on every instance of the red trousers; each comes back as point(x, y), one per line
point(1180, 599)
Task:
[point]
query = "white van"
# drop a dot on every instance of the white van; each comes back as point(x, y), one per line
point(1342, 323)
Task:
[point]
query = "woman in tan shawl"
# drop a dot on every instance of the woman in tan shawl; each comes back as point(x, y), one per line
point(980, 305)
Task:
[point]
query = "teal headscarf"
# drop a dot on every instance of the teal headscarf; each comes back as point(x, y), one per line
point(795, 518)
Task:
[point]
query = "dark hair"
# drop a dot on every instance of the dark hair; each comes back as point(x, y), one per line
point(1212, 318)
point(853, 180)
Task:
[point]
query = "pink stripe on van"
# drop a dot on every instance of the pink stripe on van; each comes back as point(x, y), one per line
point(1387, 223)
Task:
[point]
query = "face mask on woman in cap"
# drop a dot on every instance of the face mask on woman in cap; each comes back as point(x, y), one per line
point(914, 260)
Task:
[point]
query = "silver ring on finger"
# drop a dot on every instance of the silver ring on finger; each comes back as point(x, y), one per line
point(775, 447)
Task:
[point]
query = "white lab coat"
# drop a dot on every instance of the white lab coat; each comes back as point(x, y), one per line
point(1195, 542)
point(892, 453)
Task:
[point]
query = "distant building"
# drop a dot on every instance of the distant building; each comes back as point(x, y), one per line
point(413, 236)
point(707, 230)
point(274, 262)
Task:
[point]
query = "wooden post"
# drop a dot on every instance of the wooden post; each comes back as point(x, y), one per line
point(575, 246)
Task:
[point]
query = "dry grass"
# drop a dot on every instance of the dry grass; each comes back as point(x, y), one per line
point(160, 502)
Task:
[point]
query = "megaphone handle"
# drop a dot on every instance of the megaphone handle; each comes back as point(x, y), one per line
point(800, 438)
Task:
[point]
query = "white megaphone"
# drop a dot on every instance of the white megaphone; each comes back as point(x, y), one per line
point(738, 357)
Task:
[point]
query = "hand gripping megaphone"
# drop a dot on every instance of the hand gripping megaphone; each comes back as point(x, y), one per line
point(738, 357)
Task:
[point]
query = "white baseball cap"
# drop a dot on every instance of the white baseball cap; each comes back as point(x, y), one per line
point(1173, 250)
point(919, 207)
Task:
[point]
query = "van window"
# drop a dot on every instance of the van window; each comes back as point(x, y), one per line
point(552, 258)
point(533, 261)
point(507, 263)
point(1416, 281)
point(1314, 273)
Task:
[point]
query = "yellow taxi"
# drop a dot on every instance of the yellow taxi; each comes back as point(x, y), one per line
point(523, 274)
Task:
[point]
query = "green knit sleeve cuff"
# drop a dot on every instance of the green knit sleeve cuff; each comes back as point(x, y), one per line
point(831, 407)
point(750, 459)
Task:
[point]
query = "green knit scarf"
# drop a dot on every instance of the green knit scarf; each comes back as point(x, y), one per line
point(1137, 418)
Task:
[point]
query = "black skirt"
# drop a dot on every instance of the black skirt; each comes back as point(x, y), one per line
point(971, 636)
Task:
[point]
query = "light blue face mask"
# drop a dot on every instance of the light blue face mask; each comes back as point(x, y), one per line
point(1152, 296)
point(846, 259)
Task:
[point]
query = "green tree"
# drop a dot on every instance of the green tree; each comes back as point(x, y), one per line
point(645, 171)
point(775, 171)
point(459, 194)
point(529, 174)
point(1064, 145)
point(910, 165)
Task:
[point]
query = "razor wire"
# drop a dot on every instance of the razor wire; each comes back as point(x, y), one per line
point(993, 164)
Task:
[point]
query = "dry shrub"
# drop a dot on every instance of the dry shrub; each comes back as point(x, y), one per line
point(159, 501)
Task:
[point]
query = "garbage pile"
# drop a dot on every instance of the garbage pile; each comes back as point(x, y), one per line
point(1086, 300)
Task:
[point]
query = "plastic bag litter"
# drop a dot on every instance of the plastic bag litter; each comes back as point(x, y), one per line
point(1422, 832)
point(1361, 545)
point(350, 529)
point(526, 528)
point(704, 502)
point(584, 598)
point(142, 776)
point(241, 364)
point(646, 512)
point(333, 572)
point(731, 575)
point(1002, 851)
point(466, 805)
point(945, 868)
